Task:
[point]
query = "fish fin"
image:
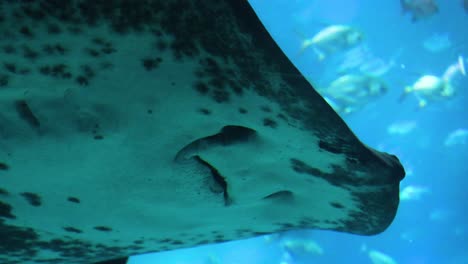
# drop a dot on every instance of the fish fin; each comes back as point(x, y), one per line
point(320, 54)
point(461, 65)
point(422, 103)
point(408, 89)
point(305, 42)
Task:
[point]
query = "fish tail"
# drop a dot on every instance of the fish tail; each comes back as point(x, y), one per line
point(305, 43)
point(408, 89)
point(461, 65)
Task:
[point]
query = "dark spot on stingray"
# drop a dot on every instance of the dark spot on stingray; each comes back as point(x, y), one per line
point(11, 67)
point(202, 242)
point(220, 96)
point(73, 199)
point(173, 83)
point(287, 225)
point(4, 80)
point(106, 65)
point(265, 109)
point(235, 87)
point(53, 29)
point(98, 41)
point(108, 50)
point(98, 137)
point(103, 228)
point(219, 236)
point(72, 230)
point(48, 49)
point(9, 49)
point(29, 53)
point(268, 122)
point(32, 198)
point(25, 31)
point(25, 113)
point(88, 71)
point(217, 83)
point(201, 87)
point(92, 52)
point(59, 70)
point(5, 212)
point(149, 111)
point(24, 71)
point(75, 30)
point(157, 32)
point(165, 240)
point(176, 242)
point(243, 231)
point(4, 166)
point(337, 205)
point(242, 110)
point(205, 111)
point(150, 64)
point(211, 66)
point(161, 45)
point(34, 13)
point(4, 192)
point(138, 242)
point(282, 117)
point(45, 70)
point(53, 49)
point(330, 147)
point(60, 49)
point(82, 80)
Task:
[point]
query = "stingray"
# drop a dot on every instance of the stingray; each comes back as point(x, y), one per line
point(129, 127)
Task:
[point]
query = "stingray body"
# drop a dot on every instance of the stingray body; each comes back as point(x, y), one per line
point(140, 126)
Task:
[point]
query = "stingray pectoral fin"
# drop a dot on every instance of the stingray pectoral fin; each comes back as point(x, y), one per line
point(176, 124)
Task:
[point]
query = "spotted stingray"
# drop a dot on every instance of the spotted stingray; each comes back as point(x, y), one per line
point(131, 126)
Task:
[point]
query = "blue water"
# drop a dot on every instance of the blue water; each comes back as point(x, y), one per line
point(431, 229)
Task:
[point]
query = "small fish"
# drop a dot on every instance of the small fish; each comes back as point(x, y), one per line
point(351, 92)
point(361, 59)
point(437, 42)
point(332, 39)
point(457, 137)
point(401, 127)
point(302, 247)
point(378, 257)
point(419, 9)
point(412, 192)
point(429, 88)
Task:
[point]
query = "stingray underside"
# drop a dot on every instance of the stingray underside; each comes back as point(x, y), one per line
point(129, 127)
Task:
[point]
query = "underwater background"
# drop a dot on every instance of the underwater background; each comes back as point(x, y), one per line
point(431, 225)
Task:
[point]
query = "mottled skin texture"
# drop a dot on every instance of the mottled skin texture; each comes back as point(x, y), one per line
point(138, 126)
